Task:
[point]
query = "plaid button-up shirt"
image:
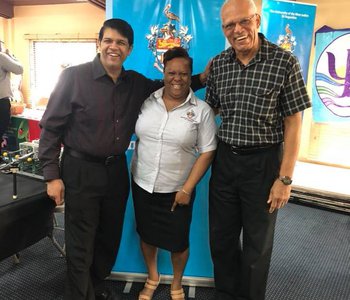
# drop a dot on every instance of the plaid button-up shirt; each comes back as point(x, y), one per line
point(254, 99)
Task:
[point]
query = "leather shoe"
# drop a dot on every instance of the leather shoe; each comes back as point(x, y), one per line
point(106, 294)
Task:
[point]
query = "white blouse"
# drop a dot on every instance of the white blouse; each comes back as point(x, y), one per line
point(168, 142)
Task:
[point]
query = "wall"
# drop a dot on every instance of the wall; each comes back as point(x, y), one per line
point(2, 29)
point(6, 31)
point(81, 19)
point(322, 142)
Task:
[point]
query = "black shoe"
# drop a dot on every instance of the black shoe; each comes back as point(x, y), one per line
point(106, 294)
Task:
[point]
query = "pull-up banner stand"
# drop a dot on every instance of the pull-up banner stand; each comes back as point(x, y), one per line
point(330, 88)
point(290, 25)
point(158, 26)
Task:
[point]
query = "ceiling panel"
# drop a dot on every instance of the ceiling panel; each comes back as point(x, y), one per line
point(6, 6)
point(42, 2)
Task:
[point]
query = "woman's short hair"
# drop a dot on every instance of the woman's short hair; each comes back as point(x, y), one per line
point(175, 53)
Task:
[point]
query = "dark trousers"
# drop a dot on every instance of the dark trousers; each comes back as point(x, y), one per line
point(239, 190)
point(95, 202)
point(5, 114)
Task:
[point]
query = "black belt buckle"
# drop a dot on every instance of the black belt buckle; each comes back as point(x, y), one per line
point(238, 150)
point(233, 151)
point(109, 160)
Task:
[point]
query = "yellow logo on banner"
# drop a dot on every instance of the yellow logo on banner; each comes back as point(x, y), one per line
point(162, 38)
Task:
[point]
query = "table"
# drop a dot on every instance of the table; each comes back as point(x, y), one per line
point(27, 219)
point(23, 128)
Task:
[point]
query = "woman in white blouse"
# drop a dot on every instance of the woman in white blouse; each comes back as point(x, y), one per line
point(175, 145)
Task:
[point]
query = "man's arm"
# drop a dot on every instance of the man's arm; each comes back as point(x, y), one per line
point(49, 152)
point(53, 125)
point(204, 75)
point(280, 192)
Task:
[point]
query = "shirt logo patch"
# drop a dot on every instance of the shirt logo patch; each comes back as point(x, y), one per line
point(189, 116)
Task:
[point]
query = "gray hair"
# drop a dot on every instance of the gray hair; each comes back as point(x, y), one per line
point(251, 4)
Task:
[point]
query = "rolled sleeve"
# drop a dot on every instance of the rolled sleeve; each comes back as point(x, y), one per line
point(207, 140)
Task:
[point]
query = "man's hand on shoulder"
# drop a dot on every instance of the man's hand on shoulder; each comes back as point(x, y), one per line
point(203, 76)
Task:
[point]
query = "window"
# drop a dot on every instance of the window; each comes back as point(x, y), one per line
point(49, 58)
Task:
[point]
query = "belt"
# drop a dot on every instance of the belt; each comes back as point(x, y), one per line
point(6, 98)
point(90, 158)
point(246, 150)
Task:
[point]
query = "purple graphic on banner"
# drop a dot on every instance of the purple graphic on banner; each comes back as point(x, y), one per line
point(332, 80)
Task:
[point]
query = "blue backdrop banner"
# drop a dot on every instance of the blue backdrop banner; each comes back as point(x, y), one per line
point(331, 86)
point(290, 25)
point(159, 25)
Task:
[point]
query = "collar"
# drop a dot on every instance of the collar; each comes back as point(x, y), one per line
point(99, 71)
point(158, 95)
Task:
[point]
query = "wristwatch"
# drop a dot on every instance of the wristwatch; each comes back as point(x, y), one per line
point(286, 180)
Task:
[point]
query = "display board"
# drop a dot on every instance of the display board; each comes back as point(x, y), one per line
point(159, 25)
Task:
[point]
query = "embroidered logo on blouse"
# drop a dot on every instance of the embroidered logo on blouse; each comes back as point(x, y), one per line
point(189, 116)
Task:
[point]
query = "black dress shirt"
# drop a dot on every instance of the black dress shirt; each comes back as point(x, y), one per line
point(91, 114)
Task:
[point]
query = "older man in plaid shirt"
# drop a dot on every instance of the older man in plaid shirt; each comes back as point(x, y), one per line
point(260, 94)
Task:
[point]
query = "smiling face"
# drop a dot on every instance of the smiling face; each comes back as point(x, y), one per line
point(114, 49)
point(240, 24)
point(177, 79)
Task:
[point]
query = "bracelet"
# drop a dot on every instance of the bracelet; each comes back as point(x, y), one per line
point(187, 193)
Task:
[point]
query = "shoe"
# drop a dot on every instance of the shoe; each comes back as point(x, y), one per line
point(150, 285)
point(177, 294)
point(106, 294)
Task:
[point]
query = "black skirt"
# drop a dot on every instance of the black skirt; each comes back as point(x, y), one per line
point(156, 224)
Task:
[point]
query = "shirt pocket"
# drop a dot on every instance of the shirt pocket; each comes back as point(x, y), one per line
point(267, 91)
point(264, 101)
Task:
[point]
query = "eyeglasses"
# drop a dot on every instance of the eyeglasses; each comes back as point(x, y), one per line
point(243, 23)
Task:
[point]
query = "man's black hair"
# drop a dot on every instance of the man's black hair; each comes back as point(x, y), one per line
point(123, 27)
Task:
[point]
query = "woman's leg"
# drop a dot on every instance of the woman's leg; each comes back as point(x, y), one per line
point(150, 256)
point(179, 261)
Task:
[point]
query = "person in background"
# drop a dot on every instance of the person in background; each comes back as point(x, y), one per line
point(260, 94)
point(92, 111)
point(176, 141)
point(8, 64)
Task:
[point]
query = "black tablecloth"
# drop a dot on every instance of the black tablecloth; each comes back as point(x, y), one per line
point(25, 220)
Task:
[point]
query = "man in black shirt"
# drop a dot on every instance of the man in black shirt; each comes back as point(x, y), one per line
point(92, 112)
